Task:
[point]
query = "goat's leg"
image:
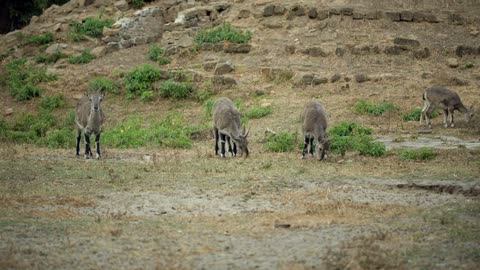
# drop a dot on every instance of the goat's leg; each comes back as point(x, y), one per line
point(450, 110)
point(229, 142)
point(235, 149)
point(445, 116)
point(215, 133)
point(311, 146)
point(97, 145)
point(79, 138)
point(305, 146)
point(88, 152)
point(222, 141)
point(423, 114)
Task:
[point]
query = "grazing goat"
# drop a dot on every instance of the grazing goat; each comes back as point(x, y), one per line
point(446, 100)
point(89, 119)
point(226, 126)
point(314, 127)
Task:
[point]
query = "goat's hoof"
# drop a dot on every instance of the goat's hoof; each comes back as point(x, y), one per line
point(87, 156)
point(97, 156)
point(452, 125)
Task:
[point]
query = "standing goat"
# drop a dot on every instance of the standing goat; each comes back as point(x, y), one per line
point(89, 119)
point(226, 125)
point(314, 127)
point(446, 100)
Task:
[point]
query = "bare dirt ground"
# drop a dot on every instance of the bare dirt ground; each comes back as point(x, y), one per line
point(157, 208)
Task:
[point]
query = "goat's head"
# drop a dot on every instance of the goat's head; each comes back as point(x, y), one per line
point(242, 142)
point(95, 100)
point(322, 147)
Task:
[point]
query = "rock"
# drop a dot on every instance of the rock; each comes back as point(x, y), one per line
point(358, 15)
point(306, 79)
point(312, 13)
point(456, 19)
point(422, 54)
point(8, 111)
point(110, 31)
point(474, 33)
point(57, 27)
point(339, 51)
point(406, 43)
point(108, 39)
point(55, 47)
point(335, 78)
point(243, 14)
point(315, 52)
point(290, 49)
point(360, 78)
point(297, 10)
point(466, 50)
point(334, 11)
point(346, 11)
point(319, 80)
point(126, 43)
point(268, 11)
point(140, 40)
point(223, 68)
point(322, 14)
point(85, 3)
point(209, 65)
point(373, 15)
point(99, 51)
point(392, 50)
point(121, 5)
point(431, 18)
point(458, 81)
point(220, 80)
point(394, 16)
point(237, 48)
point(406, 16)
point(279, 10)
point(426, 75)
point(418, 16)
point(452, 62)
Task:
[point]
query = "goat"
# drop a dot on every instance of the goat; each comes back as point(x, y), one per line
point(314, 126)
point(226, 126)
point(445, 99)
point(89, 119)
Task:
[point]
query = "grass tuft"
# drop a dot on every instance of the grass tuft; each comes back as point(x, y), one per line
point(50, 102)
point(423, 153)
point(364, 106)
point(414, 115)
point(283, 141)
point(258, 111)
point(91, 26)
point(139, 81)
point(50, 58)
point(351, 136)
point(41, 39)
point(174, 89)
point(136, 3)
point(103, 84)
point(224, 32)
point(82, 58)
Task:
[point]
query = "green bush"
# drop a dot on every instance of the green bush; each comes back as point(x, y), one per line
point(174, 89)
point(414, 115)
point(103, 84)
point(423, 153)
point(50, 58)
point(154, 52)
point(69, 120)
point(205, 91)
point(22, 79)
point(374, 149)
point(224, 32)
point(258, 111)
point(351, 136)
point(208, 105)
point(58, 138)
point(51, 102)
point(136, 3)
point(363, 106)
point(140, 80)
point(282, 141)
point(83, 58)
point(349, 128)
point(91, 26)
point(41, 39)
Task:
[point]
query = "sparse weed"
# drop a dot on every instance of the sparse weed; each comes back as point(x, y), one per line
point(103, 84)
point(208, 105)
point(69, 119)
point(5, 53)
point(205, 91)
point(224, 32)
point(364, 106)
point(414, 115)
point(258, 111)
point(82, 58)
point(41, 39)
point(283, 141)
point(174, 89)
point(51, 102)
point(91, 26)
point(58, 138)
point(50, 58)
point(156, 54)
point(351, 136)
point(423, 153)
point(140, 80)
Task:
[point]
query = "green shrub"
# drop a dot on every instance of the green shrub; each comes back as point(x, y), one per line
point(103, 84)
point(224, 32)
point(363, 106)
point(374, 149)
point(140, 79)
point(208, 105)
point(173, 89)
point(205, 91)
point(83, 58)
point(414, 115)
point(51, 102)
point(69, 120)
point(50, 58)
point(22, 79)
point(258, 111)
point(41, 39)
point(58, 138)
point(162, 60)
point(136, 3)
point(349, 128)
point(282, 141)
point(154, 52)
point(91, 26)
point(423, 153)
point(351, 136)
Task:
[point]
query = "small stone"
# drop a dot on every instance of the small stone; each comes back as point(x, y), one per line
point(322, 14)
point(223, 68)
point(335, 78)
point(394, 16)
point(290, 49)
point(312, 13)
point(268, 11)
point(55, 47)
point(8, 111)
point(474, 33)
point(243, 14)
point(406, 16)
point(279, 10)
point(121, 5)
point(422, 54)
point(452, 62)
point(236, 48)
point(110, 31)
point(406, 43)
point(361, 78)
point(319, 80)
point(346, 11)
point(99, 51)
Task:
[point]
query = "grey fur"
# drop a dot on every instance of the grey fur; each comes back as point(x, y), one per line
point(89, 119)
point(446, 100)
point(314, 127)
point(226, 121)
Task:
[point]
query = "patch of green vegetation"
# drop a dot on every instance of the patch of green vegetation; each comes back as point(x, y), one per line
point(136, 3)
point(83, 58)
point(258, 111)
point(364, 106)
point(423, 153)
point(69, 119)
point(174, 89)
point(155, 53)
point(171, 131)
point(91, 26)
point(139, 81)
point(103, 84)
point(50, 58)
point(58, 138)
point(5, 53)
point(205, 91)
point(351, 136)
point(208, 105)
point(22, 79)
point(50, 102)
point(41, 39)
point(283, 141)
point(224, 32)
point(414, 115)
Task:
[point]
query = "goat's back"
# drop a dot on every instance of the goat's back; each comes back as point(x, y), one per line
point(313, 118)
point(225, 114)
point(442, 96)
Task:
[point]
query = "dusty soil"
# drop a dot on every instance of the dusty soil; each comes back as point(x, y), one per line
point(157, 208)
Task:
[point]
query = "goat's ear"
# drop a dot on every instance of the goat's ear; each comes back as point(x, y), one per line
point(85, 93)
point(104, 94)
